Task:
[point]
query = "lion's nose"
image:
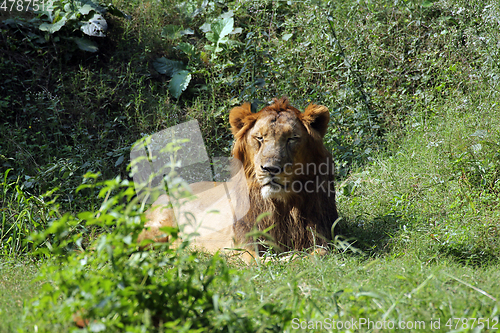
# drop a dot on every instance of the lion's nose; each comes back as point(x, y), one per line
point(273, 170)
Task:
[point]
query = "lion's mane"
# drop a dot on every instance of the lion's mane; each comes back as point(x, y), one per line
point(299, 221)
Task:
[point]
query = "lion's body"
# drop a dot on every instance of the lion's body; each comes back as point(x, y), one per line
point(214, 229)
point(288, 172)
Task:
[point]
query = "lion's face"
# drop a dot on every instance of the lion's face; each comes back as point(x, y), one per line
point(277, 144)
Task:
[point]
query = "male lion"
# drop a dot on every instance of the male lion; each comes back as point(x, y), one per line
point(289, 174)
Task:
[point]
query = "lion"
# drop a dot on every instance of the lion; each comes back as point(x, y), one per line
point(288, 173)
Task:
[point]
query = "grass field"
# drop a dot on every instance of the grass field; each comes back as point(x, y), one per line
point(17, 287)
point(412, 88)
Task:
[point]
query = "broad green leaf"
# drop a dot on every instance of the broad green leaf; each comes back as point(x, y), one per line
point(214, 49)
point(96, 26)
point(167, 66)
point(220, 29)
point(179, 83)
point(110, 8)
point(51, 28)
point(86, 215)
point(68, 8)
point(85, 9)
point(227, 14)
point(86, 45)
point(286, 36)
point(210, 48)
point(206, 27)
point(211, 37)
point(187, 49)
point(187, 8)
point(223, 27)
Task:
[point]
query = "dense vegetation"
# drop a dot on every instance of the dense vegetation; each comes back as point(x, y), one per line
point(413, 90)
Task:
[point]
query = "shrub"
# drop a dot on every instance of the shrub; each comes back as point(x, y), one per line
point(115, 286)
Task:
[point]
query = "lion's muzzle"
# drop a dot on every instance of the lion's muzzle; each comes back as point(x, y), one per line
point(271, 169)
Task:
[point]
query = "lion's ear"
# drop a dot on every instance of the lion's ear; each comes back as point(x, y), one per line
point(237, 117)
point(316, 117)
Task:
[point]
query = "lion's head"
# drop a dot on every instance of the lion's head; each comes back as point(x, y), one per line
point(289, 171)
point(279, 146)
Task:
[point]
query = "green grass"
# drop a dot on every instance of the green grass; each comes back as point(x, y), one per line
point(439, 185)
point(413, 90)
point(337, 287)
point(404, 289)
point(17, 287)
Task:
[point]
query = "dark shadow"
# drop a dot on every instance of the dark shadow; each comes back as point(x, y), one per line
point(376, 237)
point(371, 237)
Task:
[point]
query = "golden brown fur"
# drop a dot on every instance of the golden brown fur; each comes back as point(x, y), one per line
point(300, 219)
point(281, 151)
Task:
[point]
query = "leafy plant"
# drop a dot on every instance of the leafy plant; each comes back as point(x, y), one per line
point(180, 76)
point(115, 286)
point(84, 15)
point(216, 33)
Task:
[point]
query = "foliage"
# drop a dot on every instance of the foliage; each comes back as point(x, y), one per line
point(21, 214)
point(216, 32)
point(175, 69)
point(437, 193)
point(374, 82)
point(357, 69)
point(115, 285)
point(84, 15)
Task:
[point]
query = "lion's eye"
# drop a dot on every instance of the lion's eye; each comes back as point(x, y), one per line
point(259, 138)
point(293, 139)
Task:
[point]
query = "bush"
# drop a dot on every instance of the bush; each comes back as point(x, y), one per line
point(114, 286)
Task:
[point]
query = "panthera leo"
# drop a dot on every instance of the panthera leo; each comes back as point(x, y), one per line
point(289, 174)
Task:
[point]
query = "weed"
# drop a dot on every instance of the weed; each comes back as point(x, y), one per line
point(21, 214)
